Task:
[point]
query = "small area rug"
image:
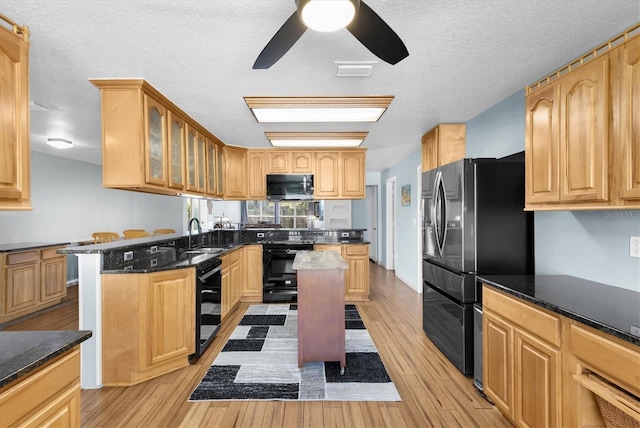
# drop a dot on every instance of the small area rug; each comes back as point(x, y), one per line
point(260, 362)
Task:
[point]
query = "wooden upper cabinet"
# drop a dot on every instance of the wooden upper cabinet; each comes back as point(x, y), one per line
point(211, 164)
point(177, 147)
point(278, 162)
point(302, 162)
point(235, 172)
point(15, 183)
point(353, 174)
point(155, 141)
point(582, 136)
point(289, 162)
point(256, 176)
point(625, 65)
point(542, 144)
point(326, 184)
point(150, 145)
point(192, 158)
point(443, 144)
point(202, 170)
point(584, 132)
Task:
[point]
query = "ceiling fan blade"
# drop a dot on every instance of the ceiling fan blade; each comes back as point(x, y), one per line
point(377, 36)
point(281, 42)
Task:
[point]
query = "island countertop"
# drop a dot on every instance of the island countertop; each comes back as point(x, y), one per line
point(314, 260)
point(21, 352)
point(612, 310)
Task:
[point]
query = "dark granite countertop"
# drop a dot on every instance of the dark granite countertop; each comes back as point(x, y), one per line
point(613, 310)
point(21, 352)
point(22, 246)
point(166, 259)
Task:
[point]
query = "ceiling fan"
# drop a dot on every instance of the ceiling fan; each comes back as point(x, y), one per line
point(360, 20)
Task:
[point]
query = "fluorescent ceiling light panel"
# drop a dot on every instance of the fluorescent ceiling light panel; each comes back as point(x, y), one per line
point(59, 143)
point(316, 139)
point(318, 109)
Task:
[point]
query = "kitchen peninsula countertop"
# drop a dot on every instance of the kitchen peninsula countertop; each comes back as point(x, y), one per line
point(612, 310)
point(318, 260)
point(21, 246)
point(170, 252)
point(21, 352)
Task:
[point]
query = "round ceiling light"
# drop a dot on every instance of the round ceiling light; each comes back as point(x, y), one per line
point(327, 15)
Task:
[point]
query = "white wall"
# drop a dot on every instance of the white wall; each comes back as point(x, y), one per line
point(69, 204)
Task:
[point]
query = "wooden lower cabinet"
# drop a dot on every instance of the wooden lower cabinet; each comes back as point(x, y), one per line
point(232, 279)
point(497, 370)
point(31, 281)
point(522, 368)
point(48, 397)
point(252, 272)
point(148, 324)
point(356, 283)
point(537, 382)
point(542, 369)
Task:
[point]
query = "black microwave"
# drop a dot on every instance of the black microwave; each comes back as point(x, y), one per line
point(289, 187)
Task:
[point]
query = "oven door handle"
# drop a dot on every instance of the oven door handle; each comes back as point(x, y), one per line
point(208, 274)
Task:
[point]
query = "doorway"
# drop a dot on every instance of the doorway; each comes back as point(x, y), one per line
point(391, 224)
point(372, 222)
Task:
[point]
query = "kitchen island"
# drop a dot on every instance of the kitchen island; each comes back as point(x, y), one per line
point(321, 328)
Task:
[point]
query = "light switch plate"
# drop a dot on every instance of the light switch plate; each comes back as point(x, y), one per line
point(634, 246)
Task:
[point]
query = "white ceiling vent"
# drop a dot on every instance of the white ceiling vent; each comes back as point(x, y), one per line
point(353, 68)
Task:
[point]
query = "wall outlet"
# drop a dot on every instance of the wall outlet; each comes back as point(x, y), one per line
point(128, 255)
point(634, 246)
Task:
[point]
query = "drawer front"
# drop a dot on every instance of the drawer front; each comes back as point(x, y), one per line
point(608, 358)
point(234, 256)
point(540, 323)
point(23, 257)
point(24, 398)
point(50, 253)
point(357, 250)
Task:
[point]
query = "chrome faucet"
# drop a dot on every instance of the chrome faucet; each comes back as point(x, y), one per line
point(199, 228)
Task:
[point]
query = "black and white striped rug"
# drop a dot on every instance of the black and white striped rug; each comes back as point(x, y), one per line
point(260, 362)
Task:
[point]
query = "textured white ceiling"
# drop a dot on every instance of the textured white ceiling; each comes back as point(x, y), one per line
point(464, 57)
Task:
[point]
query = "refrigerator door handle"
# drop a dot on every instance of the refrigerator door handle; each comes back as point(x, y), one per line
point(439, 207)
point(428, 248)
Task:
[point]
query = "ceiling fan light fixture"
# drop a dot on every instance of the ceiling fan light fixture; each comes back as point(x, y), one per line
point(327, 15)
point(59, 143)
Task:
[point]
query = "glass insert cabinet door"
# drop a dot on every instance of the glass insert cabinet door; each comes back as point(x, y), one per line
point(176, 151)
point(192, 159)
point(155, 141)
point(212, 185)
point(201, 163)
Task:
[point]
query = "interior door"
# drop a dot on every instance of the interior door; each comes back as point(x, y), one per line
point(372, 227)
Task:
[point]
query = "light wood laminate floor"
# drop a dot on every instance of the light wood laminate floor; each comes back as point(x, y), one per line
point(434, 393)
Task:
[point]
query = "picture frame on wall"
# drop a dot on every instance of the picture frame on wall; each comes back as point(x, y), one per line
point(405, 195)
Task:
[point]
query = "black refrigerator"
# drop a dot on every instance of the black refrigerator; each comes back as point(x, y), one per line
point(474, 223)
